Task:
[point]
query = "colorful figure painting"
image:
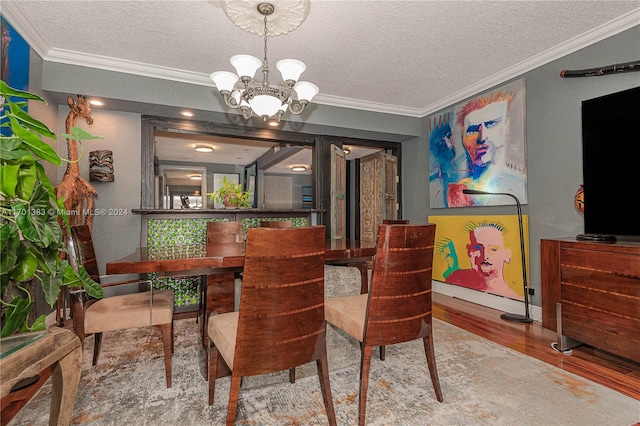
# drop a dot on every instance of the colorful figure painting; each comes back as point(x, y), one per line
point(481, 253)
point(479, 144)
point(14, 62)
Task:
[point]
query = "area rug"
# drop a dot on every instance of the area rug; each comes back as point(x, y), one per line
point(482, 382)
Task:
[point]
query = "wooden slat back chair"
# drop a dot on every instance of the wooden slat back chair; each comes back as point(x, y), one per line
point(398, 306)
point(280, 323)
point(223, 239)
point(95, 316)
point(280, 224)
point(391, 222)
point(276, 224)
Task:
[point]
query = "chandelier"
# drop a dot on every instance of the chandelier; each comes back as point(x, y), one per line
point(241, 91)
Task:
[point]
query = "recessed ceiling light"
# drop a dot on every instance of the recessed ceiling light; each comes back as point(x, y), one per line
point(195, 177)
point(187, 113)
point(203, 148)
point(298, 169)
point(96, 102)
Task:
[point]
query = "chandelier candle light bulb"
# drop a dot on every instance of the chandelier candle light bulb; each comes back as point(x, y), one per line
point(241, 91)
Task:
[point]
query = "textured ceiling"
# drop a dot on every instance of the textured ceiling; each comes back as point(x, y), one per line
point(405, 57)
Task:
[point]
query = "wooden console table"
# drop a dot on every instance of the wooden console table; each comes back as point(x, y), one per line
point(597, 287)
point(25, 355)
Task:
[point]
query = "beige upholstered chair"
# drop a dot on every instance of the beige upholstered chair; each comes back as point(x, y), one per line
point(397, 308)
point(280, 323)
point(96, 316)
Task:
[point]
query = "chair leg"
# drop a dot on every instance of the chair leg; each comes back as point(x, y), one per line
point(236, 381)
point(431, 362)
point(292, 375)
point(167, 340)
point(212, 370)
point(325, 387)
point(365, 365)
point(382, 353)
point(97, 340)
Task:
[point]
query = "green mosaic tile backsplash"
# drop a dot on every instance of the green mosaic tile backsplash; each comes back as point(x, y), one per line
point(176, 232)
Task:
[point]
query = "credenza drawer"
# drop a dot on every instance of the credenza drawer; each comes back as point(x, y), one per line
point(598, 288)
point(615, 263)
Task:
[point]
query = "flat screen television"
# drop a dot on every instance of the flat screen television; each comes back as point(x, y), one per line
point(611, 166)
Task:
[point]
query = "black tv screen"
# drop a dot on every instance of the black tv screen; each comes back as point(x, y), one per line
point(611, 164)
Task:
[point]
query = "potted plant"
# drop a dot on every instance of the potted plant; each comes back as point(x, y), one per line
point(32, 239)
point(231, 195)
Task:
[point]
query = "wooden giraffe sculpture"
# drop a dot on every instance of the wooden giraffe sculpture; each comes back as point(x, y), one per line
point(77, 193)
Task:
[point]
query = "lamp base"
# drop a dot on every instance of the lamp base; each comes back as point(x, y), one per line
point(516, 318)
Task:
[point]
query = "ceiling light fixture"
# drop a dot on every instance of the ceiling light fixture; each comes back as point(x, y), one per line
point(346, 150)
point(241, 91)
point(298, 168)
point(195, 177)
point(187, 113)
point(96, 102)
point(203, 148)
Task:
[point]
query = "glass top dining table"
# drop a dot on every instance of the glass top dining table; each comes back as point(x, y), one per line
point(194, 258)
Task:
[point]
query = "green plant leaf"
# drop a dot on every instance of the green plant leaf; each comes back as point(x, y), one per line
point(9, 174)
point(48, 259)
point(15, 315)
point(40, 207)
point(9, 247)
point(23, 220)
point(7, 91)
point(92, 288)
point(25, 265)
point(27, 176)
point(37, 146)
point(27, 121)
point(51, 284)
point(80, 134)
point(46, 184)
point(38, 324)
point(8, 145)
point(4, 282)
point(55, 231)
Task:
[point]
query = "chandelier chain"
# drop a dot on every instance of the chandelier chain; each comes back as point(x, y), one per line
point(265, 62)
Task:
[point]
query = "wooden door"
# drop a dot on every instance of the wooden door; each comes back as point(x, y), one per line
point(338, 193)
point(378, 194)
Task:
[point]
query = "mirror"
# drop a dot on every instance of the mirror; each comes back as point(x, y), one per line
point(252, 160)
point(268, 155)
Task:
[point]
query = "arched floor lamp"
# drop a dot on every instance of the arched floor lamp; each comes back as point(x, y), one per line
point(526, 318)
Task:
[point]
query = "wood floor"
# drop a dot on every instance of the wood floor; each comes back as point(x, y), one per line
point(530, 339)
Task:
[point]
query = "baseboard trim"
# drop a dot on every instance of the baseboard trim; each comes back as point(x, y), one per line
point(485, 299)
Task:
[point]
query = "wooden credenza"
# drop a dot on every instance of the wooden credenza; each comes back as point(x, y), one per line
point(597, 285)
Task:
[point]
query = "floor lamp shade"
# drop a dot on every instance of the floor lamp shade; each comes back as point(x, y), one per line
point(526, 318)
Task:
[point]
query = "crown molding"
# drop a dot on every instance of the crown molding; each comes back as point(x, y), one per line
point(107, 63)
point(37, 42)
point(611, 28)
point(21, 24)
